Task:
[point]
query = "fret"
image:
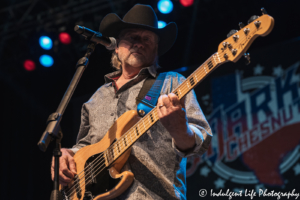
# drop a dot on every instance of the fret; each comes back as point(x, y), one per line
point(144, 124)
point(106, 158)
point(218, 58)
point(109, 154)
point(210, 65)
point(117, 153)
point(134, 134)
point(124, 140)
point(137, 131)
point(176, 93)
point(151, 117)
point(118, 146)
point(214, 59)
point(205, 69)
point(112, 153)
point(150, 120)
point(130, 133)
point(202, 74)
point(196, 77)
point(192, 82)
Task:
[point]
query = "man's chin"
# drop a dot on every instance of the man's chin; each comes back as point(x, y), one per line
point(136, 63)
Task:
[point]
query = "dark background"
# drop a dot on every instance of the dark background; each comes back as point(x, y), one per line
point(28, 98)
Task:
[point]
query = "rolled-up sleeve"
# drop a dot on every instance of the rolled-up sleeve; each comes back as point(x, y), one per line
point(201, 146)
point(196, 120)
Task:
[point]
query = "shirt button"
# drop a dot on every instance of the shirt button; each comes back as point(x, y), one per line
point(112, 114)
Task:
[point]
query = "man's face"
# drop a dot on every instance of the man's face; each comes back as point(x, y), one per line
point(137, 48)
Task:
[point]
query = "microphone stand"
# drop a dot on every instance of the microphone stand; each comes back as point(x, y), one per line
point(53, 130)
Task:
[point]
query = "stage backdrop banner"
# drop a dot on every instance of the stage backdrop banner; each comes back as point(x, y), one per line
point(254, 113)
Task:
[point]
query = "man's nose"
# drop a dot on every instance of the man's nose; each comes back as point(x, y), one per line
point(138, 43)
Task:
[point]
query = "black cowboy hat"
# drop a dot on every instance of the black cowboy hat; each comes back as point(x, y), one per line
point(140, 16)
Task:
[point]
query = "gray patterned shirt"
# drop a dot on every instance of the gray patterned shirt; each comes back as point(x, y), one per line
point(159, 168)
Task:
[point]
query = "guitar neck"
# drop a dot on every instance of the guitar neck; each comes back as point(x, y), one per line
point(135, 132)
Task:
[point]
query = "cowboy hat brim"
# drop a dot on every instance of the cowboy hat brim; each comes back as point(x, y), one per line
point(112, 25)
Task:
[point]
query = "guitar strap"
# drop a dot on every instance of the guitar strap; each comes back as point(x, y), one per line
point(147, 99)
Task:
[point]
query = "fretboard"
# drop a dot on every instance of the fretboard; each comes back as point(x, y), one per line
point(135, 132)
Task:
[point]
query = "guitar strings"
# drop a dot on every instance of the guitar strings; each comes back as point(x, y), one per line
point(129, 132)
point(90, 165)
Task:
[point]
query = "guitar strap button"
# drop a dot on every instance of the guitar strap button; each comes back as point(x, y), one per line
point(142, 113)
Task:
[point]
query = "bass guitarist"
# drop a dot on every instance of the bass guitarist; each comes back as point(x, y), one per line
point(158, 158)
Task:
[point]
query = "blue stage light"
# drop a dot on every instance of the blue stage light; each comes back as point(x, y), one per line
point(161, 24)
point(46, 60)
point(165, 6)
point(45, 42)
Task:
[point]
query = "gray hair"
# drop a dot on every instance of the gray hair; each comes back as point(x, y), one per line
point(115, 62)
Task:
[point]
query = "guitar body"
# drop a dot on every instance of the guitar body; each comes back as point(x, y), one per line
point(90, 183)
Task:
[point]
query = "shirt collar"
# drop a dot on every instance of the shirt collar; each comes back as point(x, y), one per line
point(146, 70)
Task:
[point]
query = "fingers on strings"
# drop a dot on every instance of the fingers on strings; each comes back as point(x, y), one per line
point(170, 100)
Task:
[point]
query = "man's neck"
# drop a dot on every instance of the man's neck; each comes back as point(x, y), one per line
point(128, 73)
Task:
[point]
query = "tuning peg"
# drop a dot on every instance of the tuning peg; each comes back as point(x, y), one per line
point(247, 56)
point(254, 17)
point(231, 33)
point(263, 10)
point(241, 25)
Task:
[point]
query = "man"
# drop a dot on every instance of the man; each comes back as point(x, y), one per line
point(158, 158)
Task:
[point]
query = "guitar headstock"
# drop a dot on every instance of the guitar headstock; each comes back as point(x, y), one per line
point(238, 43)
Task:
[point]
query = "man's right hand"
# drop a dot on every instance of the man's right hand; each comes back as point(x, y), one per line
point(67, 167)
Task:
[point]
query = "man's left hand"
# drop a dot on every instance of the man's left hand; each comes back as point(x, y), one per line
point(172, 115)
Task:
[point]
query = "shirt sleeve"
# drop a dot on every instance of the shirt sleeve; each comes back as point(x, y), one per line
point(200, 147)
point(196, 120)
point(83, 138)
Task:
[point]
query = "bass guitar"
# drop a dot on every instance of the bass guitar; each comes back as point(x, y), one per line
point(98, 165)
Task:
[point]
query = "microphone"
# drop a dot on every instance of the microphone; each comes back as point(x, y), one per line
point(109, 42)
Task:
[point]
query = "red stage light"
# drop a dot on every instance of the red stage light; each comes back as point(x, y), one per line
point(29, 65)
point(64, 38)
point(186, 3)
